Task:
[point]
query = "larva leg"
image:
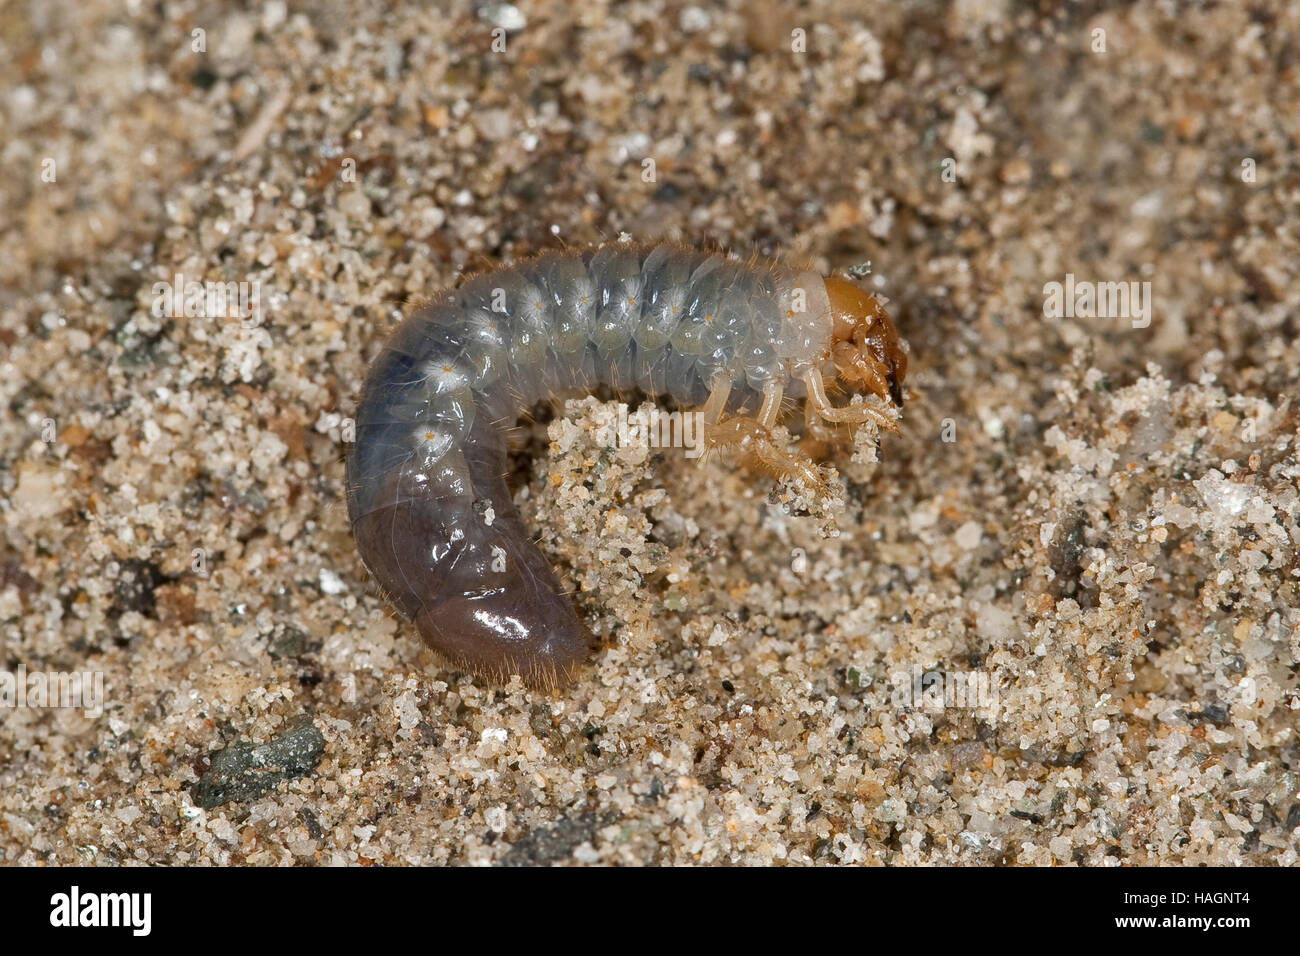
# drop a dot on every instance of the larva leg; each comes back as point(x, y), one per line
point(717, 400)
point(771, 409)
point(752, 439)
point(846, 415)
point(819, 432)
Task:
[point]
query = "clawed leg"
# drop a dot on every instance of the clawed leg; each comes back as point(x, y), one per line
point(819, 405)
point(820, 433)
point(753, 439)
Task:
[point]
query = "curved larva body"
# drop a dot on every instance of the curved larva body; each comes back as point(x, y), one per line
point(430, 510)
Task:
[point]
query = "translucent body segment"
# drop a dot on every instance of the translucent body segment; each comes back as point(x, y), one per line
point(806, 320)
point(522, 309)
point(482, 335)
point(616, 272)
point(664, 275)
point(572, 295)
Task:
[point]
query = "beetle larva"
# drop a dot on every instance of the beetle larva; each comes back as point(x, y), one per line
point(432, 515)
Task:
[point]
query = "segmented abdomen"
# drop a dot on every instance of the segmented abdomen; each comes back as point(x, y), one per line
point(430, 510)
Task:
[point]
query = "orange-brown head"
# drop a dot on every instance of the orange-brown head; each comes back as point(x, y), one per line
point(865, 346)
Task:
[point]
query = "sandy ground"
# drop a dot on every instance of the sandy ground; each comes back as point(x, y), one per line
point(1092, 521)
